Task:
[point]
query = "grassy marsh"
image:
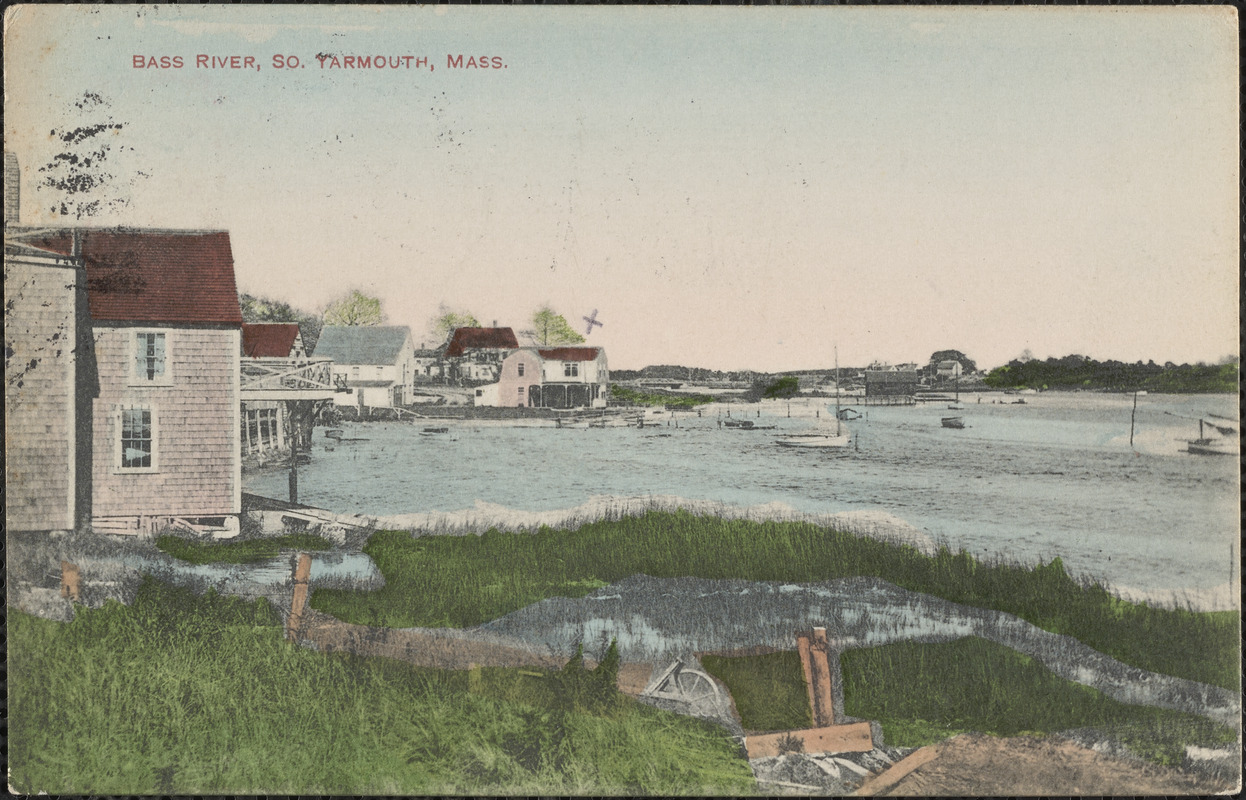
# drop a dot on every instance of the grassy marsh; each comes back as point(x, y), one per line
point(198, 694)
point(924, 693)
point(459, 581)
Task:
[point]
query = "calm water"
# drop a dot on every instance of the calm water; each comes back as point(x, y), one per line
point(1055, 476)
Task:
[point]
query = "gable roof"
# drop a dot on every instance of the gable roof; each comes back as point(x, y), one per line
point(363, 344)
point(480, 338)
point(569, 353)
point(269, 339)
point(136, 275)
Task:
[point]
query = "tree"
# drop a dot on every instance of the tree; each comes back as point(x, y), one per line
point(79, 174)
point(266, 309)
point(785, 386)
point(967, 364)
point(354, 308)
point(447, 320)
point(551, 328)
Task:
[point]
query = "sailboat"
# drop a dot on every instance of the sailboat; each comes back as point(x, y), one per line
point(823, 437)
point(956, 406)
point(1204, 445)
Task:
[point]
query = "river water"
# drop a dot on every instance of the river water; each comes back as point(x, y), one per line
point(1053, 477)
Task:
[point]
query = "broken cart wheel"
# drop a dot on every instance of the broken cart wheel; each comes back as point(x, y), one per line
point(684, 684)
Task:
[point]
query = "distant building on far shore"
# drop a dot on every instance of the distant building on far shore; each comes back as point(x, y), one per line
point(474, 355)
point(376, 362)
point(550, 377)
point(890, 383)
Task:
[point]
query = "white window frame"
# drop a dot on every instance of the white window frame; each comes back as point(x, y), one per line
point(118, 462)
point(165, 378)
point(571, 369)
point(520, 367)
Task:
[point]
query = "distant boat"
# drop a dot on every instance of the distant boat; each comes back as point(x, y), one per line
point(953, 422)
point(821, 438)
point(433, 431)
point(1207, 446)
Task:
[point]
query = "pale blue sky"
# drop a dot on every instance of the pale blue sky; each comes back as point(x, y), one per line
point(729, 187)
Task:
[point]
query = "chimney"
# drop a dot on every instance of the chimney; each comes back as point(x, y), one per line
point(12, 190)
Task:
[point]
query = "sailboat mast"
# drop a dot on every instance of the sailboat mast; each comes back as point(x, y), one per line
point(838, 429)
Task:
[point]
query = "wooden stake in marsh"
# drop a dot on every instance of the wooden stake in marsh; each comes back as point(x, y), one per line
point(813, 659)
point(71, 581)
point(825, 736)
point(302, 572)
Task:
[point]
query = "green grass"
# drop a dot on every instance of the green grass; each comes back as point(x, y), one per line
point(241, 552)
point(468, 580)
point(769, 691)
point(622, 394)
point(924, 693)
point(186, 694)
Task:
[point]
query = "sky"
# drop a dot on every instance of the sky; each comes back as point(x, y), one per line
point(732, 188)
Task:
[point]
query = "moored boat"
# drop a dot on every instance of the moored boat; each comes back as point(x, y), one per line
point(953, 422)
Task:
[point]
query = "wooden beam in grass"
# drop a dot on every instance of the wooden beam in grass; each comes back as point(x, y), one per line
point(853, 738)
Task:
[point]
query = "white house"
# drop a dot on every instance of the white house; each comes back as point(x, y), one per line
point(376, 362)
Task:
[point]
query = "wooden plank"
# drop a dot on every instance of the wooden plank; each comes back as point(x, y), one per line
point(823, 702)
point(804, 646)
point(853, 738)
point(887, 780)
point(816, 666)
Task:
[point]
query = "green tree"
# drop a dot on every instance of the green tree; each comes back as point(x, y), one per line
point(354, 308)
point(785, 386)
point(447, 319)
point(551, 328)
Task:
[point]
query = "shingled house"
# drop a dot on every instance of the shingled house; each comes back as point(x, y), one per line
point(44, 398)
point(155, 425)
point(375, 362)
point(266, 426)
point(474, 355)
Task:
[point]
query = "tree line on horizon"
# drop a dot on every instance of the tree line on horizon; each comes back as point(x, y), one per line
point(1083, 372)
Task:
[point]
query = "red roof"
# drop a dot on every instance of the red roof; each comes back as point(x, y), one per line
point(269, 339)
point(569, 353)
point(480, 338)
point(155, 276)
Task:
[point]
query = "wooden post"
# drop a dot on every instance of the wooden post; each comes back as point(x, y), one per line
point(71, 581)
point(813, 660)
point(302, 572)
point(1131, 420)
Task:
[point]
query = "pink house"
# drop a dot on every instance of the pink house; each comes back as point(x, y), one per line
point(550, 377)
point(519, 372)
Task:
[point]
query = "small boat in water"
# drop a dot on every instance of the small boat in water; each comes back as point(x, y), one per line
point(953, 422)
point(1206, 445)
point(821, 437)
point(433, 431)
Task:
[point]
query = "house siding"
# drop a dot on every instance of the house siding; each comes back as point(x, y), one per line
point(510, 382)
point(39, 403)
point(197, 433)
